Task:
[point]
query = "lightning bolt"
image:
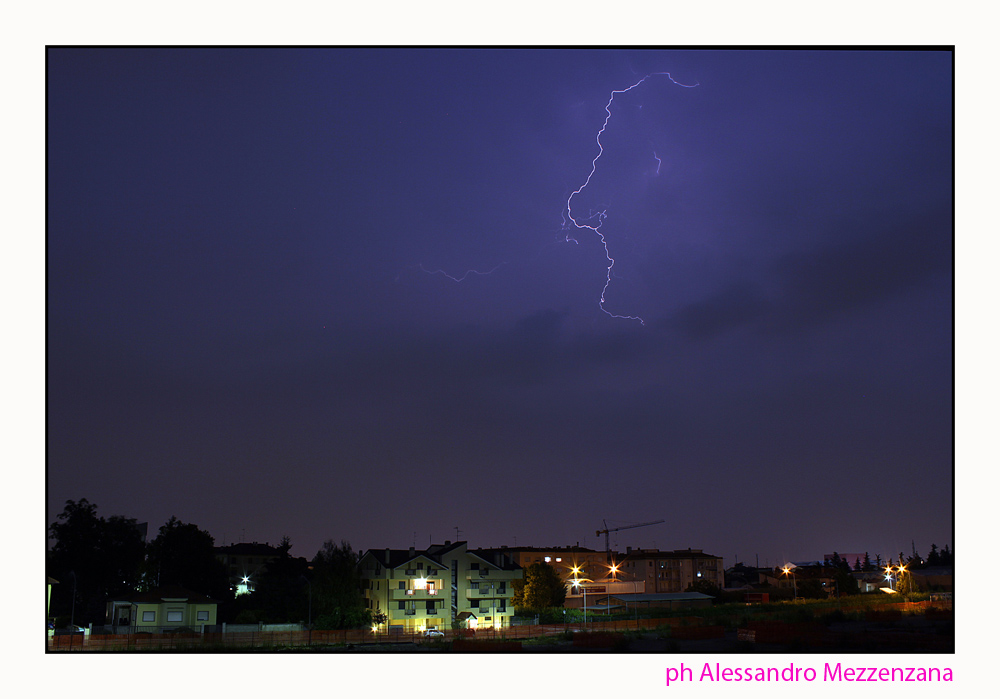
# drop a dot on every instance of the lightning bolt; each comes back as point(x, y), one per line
point(463, 277)
point(594, 219)
point(601, 216)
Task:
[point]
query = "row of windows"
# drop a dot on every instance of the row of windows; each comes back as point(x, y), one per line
point(173, 616)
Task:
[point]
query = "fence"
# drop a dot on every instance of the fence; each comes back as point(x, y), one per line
point(264, 639)
point(246, 637)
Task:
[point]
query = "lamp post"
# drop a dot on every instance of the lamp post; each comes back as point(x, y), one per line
point(789, 570)
point(576, 584)
point(72, 602)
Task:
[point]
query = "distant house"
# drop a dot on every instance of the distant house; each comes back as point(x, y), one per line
point(244, 563)
point(162, 609)
point(933, 579)
point(671, 571)
point(869, 580)
point(569, 561)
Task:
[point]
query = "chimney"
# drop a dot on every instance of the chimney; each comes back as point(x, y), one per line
point(387, 557)
point(411, 552)
point(628, 550)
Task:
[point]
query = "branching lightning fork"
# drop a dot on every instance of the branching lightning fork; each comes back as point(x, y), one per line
point(593, 169)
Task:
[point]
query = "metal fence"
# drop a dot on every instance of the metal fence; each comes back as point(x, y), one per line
point(241, 638)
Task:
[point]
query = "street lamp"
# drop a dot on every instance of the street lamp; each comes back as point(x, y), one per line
point(576, 583)
point(888, 576)
point(789, 570)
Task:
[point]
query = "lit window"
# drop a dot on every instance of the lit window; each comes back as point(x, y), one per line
point(149, 616)
point(548, 559)
point(203, 616)
point(558, 560)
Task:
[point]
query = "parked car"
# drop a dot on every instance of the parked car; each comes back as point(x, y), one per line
point(433, 633)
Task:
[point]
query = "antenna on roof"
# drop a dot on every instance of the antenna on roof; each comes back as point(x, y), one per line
point(458, 534)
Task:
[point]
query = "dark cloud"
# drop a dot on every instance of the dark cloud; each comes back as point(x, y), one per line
point(237, 294)
point(735, 306)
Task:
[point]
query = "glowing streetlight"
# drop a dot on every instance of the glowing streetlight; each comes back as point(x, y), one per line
point(788, 570)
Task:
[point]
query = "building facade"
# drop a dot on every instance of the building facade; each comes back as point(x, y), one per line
point(245, 562)
point(429, 590)
point(570, 562)
point(165, 608)
point(670, 571)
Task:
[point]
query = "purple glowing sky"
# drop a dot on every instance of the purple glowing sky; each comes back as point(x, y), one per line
point(254, 322)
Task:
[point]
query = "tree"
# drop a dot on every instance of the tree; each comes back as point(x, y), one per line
point(846, 584)
point(706, 587)
point(98, 557)
point(336, 588)
point(540, 588)
point(184, 555)
point(281, 593)
point(933, 558)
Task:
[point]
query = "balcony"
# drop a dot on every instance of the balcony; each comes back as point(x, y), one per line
point(412, 594)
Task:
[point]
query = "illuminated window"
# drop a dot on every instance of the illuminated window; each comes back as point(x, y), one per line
point(558, 560)
point(203, 616)
point(548, 559)
point(149, 616)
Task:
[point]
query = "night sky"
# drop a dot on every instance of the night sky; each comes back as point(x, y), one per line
point(254, 324)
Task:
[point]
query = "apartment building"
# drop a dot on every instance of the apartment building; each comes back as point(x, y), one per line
point(245, 562)
point(430, 589)
point(570, 562)
point(670, 571)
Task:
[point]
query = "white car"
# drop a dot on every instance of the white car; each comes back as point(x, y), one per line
point(432, 633)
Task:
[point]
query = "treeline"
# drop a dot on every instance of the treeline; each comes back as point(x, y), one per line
point(97, 559)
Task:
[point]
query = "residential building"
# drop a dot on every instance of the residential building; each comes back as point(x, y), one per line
point(934, 579)
point(244, 563)
point(570, 562)
point(165, 608)
point(431, 589)
point(670, 571)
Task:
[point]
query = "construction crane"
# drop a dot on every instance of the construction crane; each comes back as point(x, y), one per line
point(606, 531)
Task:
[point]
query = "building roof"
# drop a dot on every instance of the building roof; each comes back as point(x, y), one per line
point(541, 549)
point(659, 596)
point(397, 558)
point(679, 553)
point(247, 549)
point(168, 592)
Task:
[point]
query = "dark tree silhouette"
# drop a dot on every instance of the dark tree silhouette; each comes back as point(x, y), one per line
point(100, 557)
